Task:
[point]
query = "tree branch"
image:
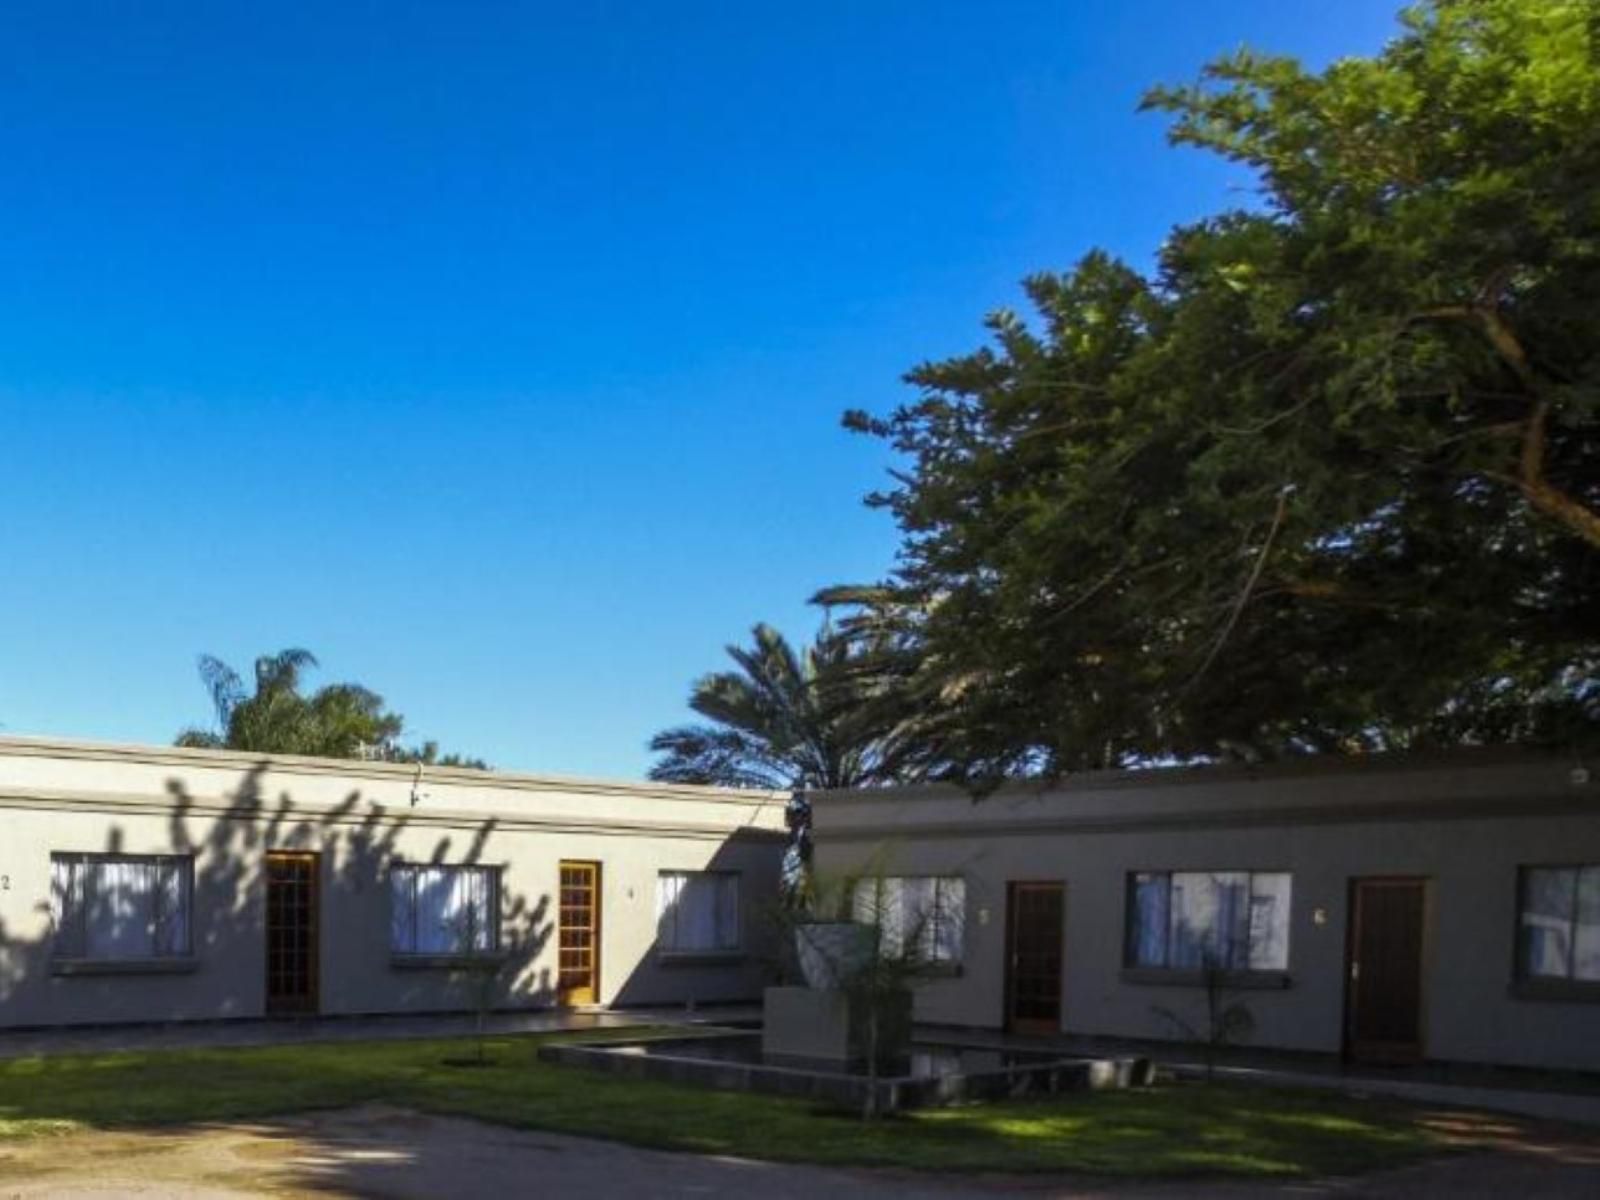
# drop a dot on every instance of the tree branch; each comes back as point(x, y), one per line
point(1245, 593)
point(1530, 480)
point(1493, 327)
point(1544, 496)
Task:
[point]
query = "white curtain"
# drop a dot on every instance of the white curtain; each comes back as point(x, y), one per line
point(1234, 920)
point(727, 912)
point(1547, 910)
point(403, 910)
point(1192, 911)
point(115, 907)
point(66, 907)
point(171, 891)
point(443, 909)
point(1586, 932)
point(697, 914)
point(1269, 922)
point(931, 909)
point(881, 904)
point(919, 914)
point(1151, 908)
point(1206, 911)
point(697, 911)
point(669, 891)
point(118, 923)
point(947, 936)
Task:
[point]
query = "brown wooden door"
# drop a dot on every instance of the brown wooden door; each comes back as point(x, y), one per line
point(292, 927)
point(1383, 1002)
point(579, 968)
point(1035, 926)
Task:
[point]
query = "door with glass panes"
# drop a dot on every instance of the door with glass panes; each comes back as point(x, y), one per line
point(578, 933)
point(292, 929)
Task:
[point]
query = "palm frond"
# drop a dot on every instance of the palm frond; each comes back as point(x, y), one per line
point(222, 683)
point(815, 718)
point(281, 672)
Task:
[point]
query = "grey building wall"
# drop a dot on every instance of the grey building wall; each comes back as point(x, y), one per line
point(228, 810)
point(1465, 823)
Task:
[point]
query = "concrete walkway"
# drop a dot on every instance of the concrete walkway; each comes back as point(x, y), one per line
point(1573, 1099)
point(286, 1031)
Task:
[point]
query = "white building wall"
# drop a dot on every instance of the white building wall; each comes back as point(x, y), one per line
point(228, 810)
point(1466, 823)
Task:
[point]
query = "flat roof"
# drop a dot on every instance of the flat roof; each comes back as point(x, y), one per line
point(292, 764)
point(1160, 776)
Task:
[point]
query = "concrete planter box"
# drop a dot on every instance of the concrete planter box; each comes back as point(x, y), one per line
point(804, 1026)
point(705, 1060)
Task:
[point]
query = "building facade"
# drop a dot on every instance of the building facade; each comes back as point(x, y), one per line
point(159, 884)
point(1387, 909)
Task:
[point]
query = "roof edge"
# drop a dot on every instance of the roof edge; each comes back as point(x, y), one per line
point(1309, 765)
point(17, 746)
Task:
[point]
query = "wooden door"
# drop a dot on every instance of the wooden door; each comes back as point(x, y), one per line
point(579, 933)
point(1383, 998)
point(1035, 927)
point(292, 929)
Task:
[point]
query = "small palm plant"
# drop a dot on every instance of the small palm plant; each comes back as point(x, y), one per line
point(876, 969)
point(478, 965)
point(1227, 1020)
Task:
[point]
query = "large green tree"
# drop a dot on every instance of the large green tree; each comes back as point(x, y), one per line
point(787, 718)
point(1328, 477)
point(339, 720)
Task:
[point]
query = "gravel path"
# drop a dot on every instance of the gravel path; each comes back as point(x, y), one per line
point(384, 1152)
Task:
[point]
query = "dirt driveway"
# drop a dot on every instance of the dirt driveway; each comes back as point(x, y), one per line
point(386, 1152)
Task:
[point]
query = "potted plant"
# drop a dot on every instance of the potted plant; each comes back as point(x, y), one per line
point(855, 941)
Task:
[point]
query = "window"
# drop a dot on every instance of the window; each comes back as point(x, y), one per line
point(697, 912)
point(1192, 920)
point(929, 910)
point(439, 909)
point(116, 907)
point(1559, 923)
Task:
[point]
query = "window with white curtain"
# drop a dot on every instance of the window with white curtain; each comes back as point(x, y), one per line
point(1192, 920)
point(930, 910)
point(697, 912)
point(440, 909)
point(1559, 923)
point(111, 907)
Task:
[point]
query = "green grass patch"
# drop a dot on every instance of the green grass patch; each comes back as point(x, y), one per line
point(1174, 1130)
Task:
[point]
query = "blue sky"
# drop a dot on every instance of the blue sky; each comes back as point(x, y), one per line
point(496, 352)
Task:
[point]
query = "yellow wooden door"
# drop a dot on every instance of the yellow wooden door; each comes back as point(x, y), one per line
point(579, 969)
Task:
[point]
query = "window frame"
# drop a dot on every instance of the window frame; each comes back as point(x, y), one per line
point(1245, 977)
point(74, 909)
point(689, 955)
point(931, 964)
point(1528, 986)
point(413, 957)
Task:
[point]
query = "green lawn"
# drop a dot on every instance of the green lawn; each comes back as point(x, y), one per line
point(1184, 1129)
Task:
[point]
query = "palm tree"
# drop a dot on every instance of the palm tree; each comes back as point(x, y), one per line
point(787, 720)
point(341, 720)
